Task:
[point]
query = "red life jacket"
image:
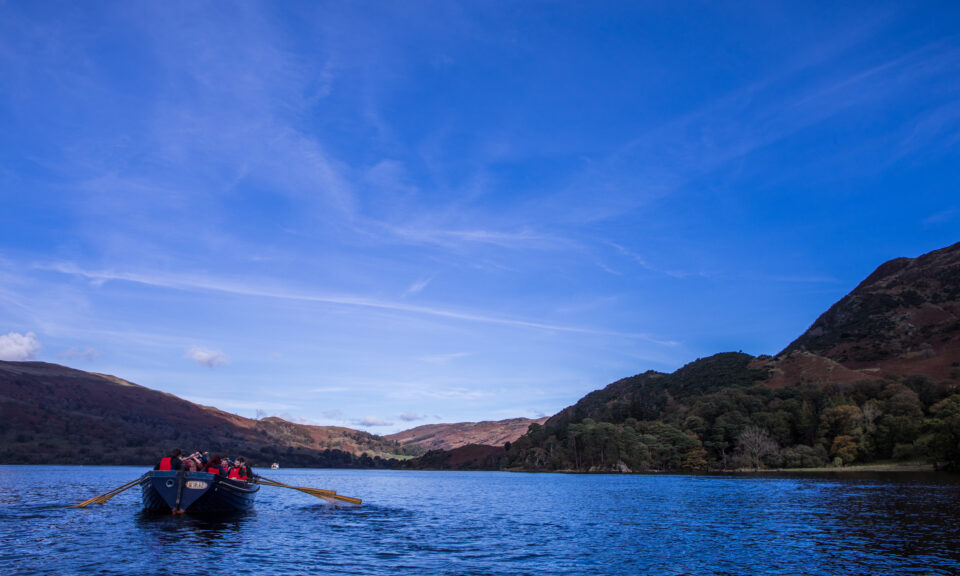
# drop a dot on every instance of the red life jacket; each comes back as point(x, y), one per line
point(235, 474)
point(215, 470)
point(165, 464)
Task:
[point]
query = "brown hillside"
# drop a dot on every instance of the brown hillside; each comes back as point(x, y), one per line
point(902, 319)
point(800, 367)
point(54, 414)
point(450, 436)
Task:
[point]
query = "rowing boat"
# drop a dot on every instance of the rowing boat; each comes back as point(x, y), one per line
point(195, 492)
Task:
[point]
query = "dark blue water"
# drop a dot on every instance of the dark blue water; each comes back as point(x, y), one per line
point(493, 523)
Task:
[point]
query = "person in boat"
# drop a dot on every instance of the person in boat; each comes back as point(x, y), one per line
point(171, 462)
point(193, 462)
point(239, 470)
point(215, 466)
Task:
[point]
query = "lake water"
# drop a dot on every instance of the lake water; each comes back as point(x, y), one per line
point(493, 523)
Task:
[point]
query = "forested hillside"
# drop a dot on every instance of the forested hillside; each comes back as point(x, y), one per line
point(876, 377)
point(663, 422)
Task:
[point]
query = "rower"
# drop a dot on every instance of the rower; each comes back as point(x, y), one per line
point(171, 462)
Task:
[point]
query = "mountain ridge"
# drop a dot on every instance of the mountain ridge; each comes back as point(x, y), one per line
point(447, 436)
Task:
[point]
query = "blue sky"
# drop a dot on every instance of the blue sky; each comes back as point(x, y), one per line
point(389, 214)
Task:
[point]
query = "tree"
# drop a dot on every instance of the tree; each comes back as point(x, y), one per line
point(845, 448)
point(755, 443)
point(942, 444)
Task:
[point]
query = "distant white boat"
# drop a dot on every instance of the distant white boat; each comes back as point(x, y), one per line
point(274, 466)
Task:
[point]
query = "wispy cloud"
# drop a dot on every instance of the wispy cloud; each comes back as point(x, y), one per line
point(412, 416)
point(190, 283)
point(17, 347)
point(942, 217)
point(234, 405)
point(330, 389)
point(444, 358)
point(206, 357)
point(417, 287)
point(88, 354)
point(442, 393)
point(417, 233)
point(371, 421)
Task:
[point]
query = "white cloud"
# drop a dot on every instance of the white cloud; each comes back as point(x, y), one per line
point(205, 357)
point(412, 417)
point(371, 421)
point(18, 347)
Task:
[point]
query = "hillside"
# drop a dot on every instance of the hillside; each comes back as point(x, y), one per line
point(53, 414)
point(876, 377)
point(450, 436)
point(902, 319)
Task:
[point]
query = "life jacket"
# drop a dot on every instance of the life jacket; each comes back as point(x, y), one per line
point(215, 470)
point(234, 473)
point(166, 464)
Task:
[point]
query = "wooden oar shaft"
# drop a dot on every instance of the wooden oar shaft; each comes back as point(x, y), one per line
point(319, 493)
point(300, 488)
point(108, 495)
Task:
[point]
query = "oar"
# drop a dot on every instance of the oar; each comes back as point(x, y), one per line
point(319, 493)
point(108, 495)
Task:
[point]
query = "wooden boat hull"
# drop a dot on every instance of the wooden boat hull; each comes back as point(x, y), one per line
point(196, 492)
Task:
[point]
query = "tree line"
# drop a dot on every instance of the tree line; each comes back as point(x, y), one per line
point(717, 413)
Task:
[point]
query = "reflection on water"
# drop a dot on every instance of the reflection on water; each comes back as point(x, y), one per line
point(495, 523)
point(200, 530)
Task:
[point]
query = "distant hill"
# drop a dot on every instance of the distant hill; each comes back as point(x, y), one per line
point(54, 414)
point(876, 377)
point(450, 436)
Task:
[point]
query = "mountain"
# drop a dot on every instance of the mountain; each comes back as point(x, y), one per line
point(53, 414)
point(903, 319)
point(450, 436)
point(876, 377)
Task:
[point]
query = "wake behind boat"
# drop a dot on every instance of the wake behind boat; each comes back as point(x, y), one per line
point(195, 492)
